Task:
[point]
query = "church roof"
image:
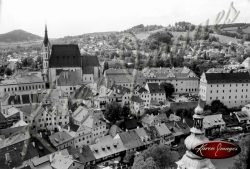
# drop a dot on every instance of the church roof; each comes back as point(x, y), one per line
point(65, 55)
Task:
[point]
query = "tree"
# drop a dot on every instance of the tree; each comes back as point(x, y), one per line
point(8, 71)
point(242, 160)
point(129, 157)
point(159, 156)
point(113, 112)
point(105, 66)
point(125, 112)
point(217, 106)
point(27, 62)
point(168, 88)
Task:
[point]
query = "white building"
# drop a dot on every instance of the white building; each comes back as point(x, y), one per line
point(231, 88)
point(69, 81)
point(157, 93)
point(183, 79)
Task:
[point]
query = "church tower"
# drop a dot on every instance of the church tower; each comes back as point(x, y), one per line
point(197, 137)
point(45, 54)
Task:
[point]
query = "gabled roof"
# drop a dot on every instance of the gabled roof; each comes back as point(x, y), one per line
point(155, 88)
point(107, 146)
point(162, 129)
point(136, 99)
point(88, 60)
point(16, 154)
point(69, 78)
point(130, 139)
point(60, 138)
point(66, 55)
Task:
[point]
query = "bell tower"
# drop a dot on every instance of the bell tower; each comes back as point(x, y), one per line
point(45, 54)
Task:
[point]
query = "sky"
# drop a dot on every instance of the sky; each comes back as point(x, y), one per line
point(76, 17)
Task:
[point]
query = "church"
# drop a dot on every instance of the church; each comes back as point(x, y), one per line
point(60, 61)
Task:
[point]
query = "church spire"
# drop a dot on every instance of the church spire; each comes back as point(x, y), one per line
point(46, 39)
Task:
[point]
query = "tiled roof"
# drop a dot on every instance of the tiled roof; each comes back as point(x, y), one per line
point(213, 120)
point(16, 155)
point(69, 78)
point(107, 146)
point(242, 115)
point(230, 120)
point(162, 129)
point(168, 73)
point(21, 79)
point(60, 138)
point(83, 92)
point(142, 90)
point(130, 139)
point(136, 99)
point(119, 89)
point(155, 88)
point(88, 64)
point(233, 77)
point(66, 55)
point(80, 114)
point(86, 155)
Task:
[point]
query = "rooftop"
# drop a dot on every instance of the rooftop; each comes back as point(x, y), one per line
point(227, 77)
point(107, 146)
point(65, 55)
point(60, 138)
point(212, 120)
point(69, 78)
point(130, 139)
point(22, 79)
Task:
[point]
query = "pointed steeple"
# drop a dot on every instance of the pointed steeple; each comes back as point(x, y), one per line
point(46, 39)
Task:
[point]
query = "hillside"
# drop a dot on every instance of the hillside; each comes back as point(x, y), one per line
point(18, 36)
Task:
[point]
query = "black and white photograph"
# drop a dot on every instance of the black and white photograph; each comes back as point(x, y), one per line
point(124, 84)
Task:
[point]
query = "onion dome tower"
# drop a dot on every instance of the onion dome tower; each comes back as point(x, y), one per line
point(197, 137)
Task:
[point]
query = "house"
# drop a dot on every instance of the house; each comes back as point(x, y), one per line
point(213, 124)
point(90, 69)
point(230, 87)
point(16, 150)
point(151, 120)
point(157, 93)
point(165, 134)
point(243, 117)
point(58, 160)
point(130, 140)
point(143, 94)
point(22, 83)
point(107, 148)
point(69, 81)
point(61, 140)
point(9, 117)
point(136, 105)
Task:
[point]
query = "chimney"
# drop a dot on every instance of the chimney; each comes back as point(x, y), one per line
point(51, 158)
